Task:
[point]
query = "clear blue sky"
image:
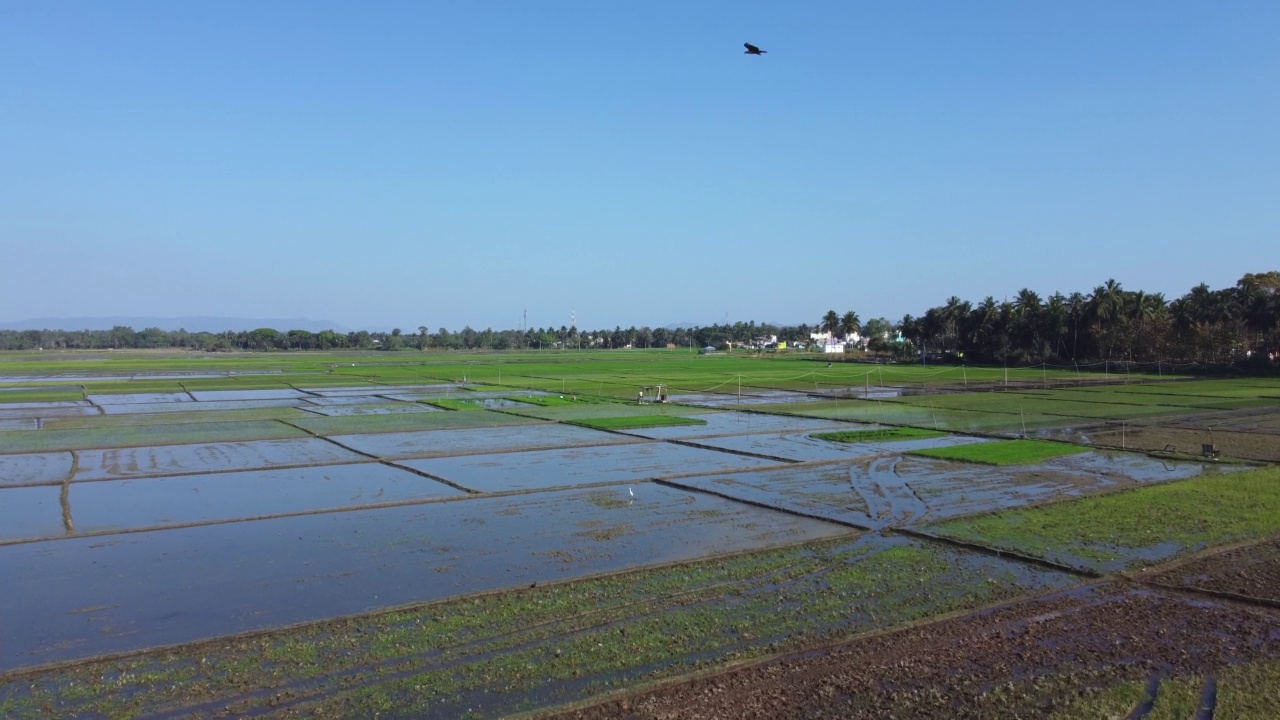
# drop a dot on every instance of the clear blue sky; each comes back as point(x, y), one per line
point(449, 163)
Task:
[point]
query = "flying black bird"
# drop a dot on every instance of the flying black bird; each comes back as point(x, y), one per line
point(753, 50)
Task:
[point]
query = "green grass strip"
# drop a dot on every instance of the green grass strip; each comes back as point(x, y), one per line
point(1202, 511)
point(1249, 692)
point(879, 434)
point(1004, 452)
point(637, 421)
point(450, 404)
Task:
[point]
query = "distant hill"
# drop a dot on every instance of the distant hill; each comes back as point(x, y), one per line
point(190, 324)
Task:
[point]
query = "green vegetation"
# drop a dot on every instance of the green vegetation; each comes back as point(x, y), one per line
point(1177, 699)
point(570, 640)
point(636, 421)
point(39, 394)
point(1136, 526)
point(1111, 702)
point(134, 435)
point(878, 435)
point(1004, 452)
point(1250, 691)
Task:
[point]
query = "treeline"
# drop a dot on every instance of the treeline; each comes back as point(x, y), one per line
point(265, 339)
point(1214, 327)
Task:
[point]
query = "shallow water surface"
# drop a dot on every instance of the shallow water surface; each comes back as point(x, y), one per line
point(155, 502)
point(383, 409)
point(27, 468)
point(729, 423)
point(801, 447)
point(30, 512)
point(554, 468)
point(81, 597)
point(478, 440)
point(206, 457)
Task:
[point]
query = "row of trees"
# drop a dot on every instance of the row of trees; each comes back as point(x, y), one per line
point(263, 339)
point(1110, 323)
point(1204, 326)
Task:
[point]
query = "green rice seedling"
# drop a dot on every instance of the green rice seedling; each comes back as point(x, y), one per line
point(1004, 452)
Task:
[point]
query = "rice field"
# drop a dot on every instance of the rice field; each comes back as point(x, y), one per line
point(445, 535)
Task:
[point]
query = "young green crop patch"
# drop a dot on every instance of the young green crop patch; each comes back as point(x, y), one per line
point(53, 394)
point(1135, 527)
point(636, 421)
point(1004, 452)
point(878, 435)
point(128, 435)
point(452, 404)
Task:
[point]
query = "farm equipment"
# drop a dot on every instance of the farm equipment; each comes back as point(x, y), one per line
point(653, 394)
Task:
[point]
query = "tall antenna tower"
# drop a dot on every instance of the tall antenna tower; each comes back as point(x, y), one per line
point(524, 321)
point(573, 318)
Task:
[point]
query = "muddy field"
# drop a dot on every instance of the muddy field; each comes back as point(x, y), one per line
point(1251, 571)
point(1033, 659)
point(890, 490)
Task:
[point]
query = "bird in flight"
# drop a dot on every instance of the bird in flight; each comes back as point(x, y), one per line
point(753, 50)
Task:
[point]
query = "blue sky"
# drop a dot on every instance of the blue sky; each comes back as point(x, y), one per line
point(399, 164)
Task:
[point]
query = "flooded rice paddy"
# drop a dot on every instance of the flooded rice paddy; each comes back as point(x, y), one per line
point(163, 501)
point(32, 468)
point(755, 397)
point(736, 423)
point(385, 409)
point(800, 447)
point(458, 442)
point(895, 491)
point(83, 597)
point(140, 398)
point(123, 549)
point(167, 407)
point(115, 463)
point(31, 512)
point(579, 466)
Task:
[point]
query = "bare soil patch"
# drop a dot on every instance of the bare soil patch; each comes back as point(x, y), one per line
point(1022, 660)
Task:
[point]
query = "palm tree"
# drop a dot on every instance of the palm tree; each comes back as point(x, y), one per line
point(850, 324)
point(831, 322)
point(1077, 306)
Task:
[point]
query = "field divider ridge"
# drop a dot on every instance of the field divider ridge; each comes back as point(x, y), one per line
point(1208, 592)
point(318, 436)
point(997, 552)
point(743, 453)
point(64, 499)
point(429, 476)
point(674, 483)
